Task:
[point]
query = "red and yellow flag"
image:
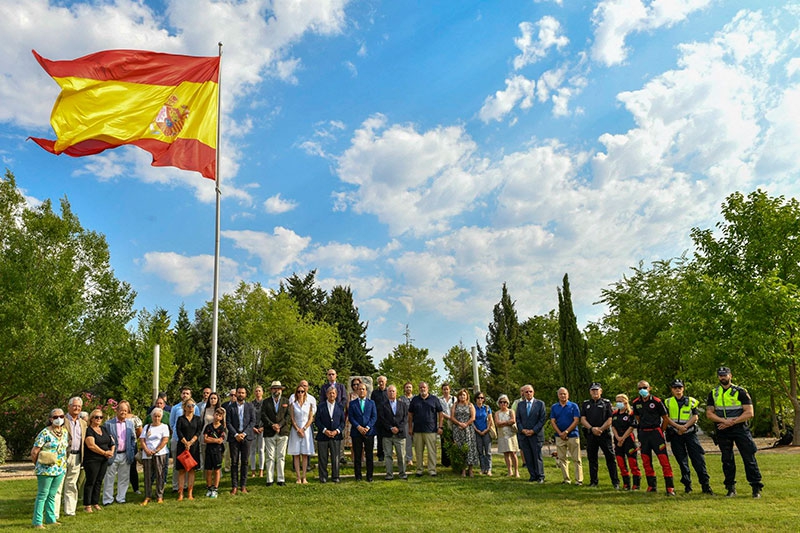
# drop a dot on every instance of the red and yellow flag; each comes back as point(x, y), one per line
point(163, 103)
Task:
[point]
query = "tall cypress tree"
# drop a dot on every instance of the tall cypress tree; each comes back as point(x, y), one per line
point(502, 344)
point(352, 357)
point(574, 349)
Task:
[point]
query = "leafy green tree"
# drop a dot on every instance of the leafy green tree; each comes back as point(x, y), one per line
point(458, 364)
point(263, 336)
point(750, 273)
point(191, 370)
point(136, 384)
point(62, 309)
point(573, 351)
point(502, 344)
point(352, 357)
point(537, 358)
point(644, 337)
point(409, 363)
point(310, 299)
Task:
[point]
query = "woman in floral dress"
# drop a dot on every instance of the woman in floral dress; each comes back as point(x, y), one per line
point(463, 416)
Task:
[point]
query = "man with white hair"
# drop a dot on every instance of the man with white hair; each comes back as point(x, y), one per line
point(76, 430)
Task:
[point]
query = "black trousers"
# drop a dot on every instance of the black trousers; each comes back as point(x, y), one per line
point(739, 435)
point(240, 455)
point(687, 448)
point(95, 471)
point(363, 444)
point(594, 443)
point(325, 449)
point(532, 452)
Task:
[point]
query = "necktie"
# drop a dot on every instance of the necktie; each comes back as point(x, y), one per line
point(529, 408)
point(362, 405)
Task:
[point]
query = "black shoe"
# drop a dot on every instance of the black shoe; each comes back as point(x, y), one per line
point(594, 484)
point(687, 489)
point(707, 490)
point(756, 493)
point(418, 474)
point(323, 480)
point(269, 484)
point(281, 483)
point(731, 492)
point(616, 486)
point(336, 480)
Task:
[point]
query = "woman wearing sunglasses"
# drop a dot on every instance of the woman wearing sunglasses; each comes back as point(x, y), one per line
point(301, 438)
point(99, 447)
point(50, 455)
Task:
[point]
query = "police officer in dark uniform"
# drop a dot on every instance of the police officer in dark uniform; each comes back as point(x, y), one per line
point(596, 421)
point(730, 407)
point(682, 416)
point(651, 419)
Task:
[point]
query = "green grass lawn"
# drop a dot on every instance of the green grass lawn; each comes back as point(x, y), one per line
point(446, 503)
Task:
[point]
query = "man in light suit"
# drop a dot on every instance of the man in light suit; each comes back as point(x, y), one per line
point(277, 422)
point(330, 423)
point(530, 432)
point(392, 429)
point(241, 418)
point(124, 434)
point(363, 416)
point(76, 430)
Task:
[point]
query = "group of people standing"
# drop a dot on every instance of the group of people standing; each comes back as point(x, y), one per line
point(261, 432)
point(610, 429)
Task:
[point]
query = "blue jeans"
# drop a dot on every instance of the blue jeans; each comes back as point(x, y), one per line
point(46, 499)
point(484, 443)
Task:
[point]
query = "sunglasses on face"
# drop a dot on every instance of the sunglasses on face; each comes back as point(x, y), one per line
point(57, 416)
point(502, 401)
point(98, 417)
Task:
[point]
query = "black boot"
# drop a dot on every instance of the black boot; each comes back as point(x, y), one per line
point(637, 480)
point(652, 483)
point(626, 482)
point(707, 489)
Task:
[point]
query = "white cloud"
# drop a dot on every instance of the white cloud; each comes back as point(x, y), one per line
point(411, 181)
point(518, 89)
point(549, 35)
point(193, 274)
point(276, 205)
point(277, 251)
point(614, 20)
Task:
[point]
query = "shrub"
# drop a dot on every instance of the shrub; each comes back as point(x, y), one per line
point(3, 450)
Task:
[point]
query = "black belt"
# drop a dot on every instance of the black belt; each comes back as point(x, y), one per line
point(75, 452)
point(123, 451)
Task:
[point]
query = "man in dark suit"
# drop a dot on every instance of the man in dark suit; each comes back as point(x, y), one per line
point(330, 425)
point(241, 418)
point(530, 432)
point(276, 419)
point(392, 427)
point(363, 418)
point(379, 397)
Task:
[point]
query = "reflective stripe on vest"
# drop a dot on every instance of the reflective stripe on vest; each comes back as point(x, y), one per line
point(726, 402)
point(683, 414)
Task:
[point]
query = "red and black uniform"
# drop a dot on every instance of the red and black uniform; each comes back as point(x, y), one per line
point(621, 421)
point(649, 413)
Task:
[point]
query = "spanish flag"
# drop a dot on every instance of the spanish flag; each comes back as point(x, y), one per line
point(163, 103)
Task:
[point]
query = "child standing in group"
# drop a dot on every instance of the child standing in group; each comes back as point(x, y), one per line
point(214, 437)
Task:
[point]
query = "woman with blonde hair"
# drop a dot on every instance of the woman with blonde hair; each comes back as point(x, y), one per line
point(622, 424)
point(505, 421)
point(99, 447)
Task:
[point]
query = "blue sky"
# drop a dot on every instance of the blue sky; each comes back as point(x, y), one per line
point(425, 152)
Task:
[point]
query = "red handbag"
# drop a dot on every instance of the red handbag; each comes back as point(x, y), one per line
point(187, 460)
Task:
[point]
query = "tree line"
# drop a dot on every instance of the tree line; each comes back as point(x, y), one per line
point(67, 324)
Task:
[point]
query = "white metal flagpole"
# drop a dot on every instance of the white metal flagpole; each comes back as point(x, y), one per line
point(215, 304)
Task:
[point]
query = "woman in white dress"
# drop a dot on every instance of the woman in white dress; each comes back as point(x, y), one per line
point(301, 438)
point(504, 421)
